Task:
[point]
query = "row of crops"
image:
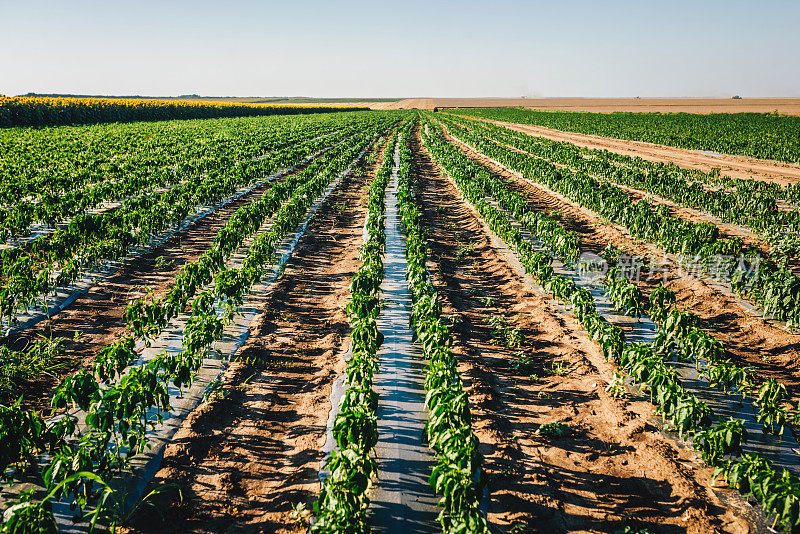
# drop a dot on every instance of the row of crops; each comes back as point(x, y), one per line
point(457, 475)
point(719, 441)
point(49, 175)
point(592, 183)
point(740, 204)
point(343, 503)
point(109, 411)
point(626, 296)
point(159, 173)
point(205, 168)
point(51, 111)
point(764, 136)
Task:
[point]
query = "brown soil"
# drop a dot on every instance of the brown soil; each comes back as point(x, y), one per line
point(243, 461)
point(94, 319)
point(734, 166)
point(613, 467)
point(748, 339)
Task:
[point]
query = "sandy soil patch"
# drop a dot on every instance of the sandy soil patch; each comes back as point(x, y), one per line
point(408, 103)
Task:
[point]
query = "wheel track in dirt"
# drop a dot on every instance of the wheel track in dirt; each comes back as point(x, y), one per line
point(614, 465)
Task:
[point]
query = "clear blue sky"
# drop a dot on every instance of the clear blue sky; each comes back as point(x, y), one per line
point(405, 48)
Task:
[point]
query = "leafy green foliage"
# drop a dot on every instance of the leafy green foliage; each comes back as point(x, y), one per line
point(616, 388)
point(504, 333)
point(589, 179)
point(121, 405)
point(759, 135)
point(772, 413)
point(343, 503)
point(624, 294)
point(556, 429)
point(724, 439)
point(457, 475)
point(661, 301)
point(18, 367)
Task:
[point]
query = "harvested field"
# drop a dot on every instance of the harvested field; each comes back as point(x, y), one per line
point(785, 106)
